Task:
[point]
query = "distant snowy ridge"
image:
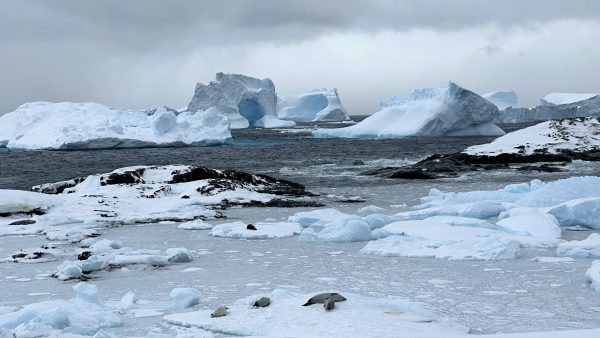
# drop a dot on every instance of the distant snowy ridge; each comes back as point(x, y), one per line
point(451, 111)
point(246, 101)
point(563, 108)
point(502, 99)
point(553, 137)
point(317, 105)
point(554, 99)
point(68, 125)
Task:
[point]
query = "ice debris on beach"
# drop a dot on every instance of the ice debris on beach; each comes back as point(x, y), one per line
point(68, 125)
point(450, 111)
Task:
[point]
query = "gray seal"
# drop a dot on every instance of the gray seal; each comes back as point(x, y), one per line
point(251, 227)
point(262, 302)
point(220, 312)
point(320, 298)
point(329, 304)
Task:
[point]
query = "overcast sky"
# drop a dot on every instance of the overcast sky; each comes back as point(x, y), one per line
point(139, 53)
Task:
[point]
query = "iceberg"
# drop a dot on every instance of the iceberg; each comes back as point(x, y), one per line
point(68, 125)
point(502, 99)
point(248, 102)
point(451, 111)
point(317, 105)
point(554, 99)
point(551, 137)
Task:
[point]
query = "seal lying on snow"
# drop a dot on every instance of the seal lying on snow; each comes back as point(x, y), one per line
point(220, 312)
point(320, 298)
point(262, 302)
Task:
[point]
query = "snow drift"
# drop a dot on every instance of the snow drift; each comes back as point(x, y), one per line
point(246, 101)
point(317, 105)
point(68, 125)
point(451, 111)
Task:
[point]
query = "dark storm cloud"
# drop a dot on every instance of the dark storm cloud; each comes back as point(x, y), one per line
point(116, 51)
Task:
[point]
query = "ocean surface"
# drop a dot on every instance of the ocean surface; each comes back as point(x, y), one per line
point(292, 154)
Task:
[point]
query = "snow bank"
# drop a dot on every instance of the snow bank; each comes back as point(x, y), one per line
point(587, 248)
point(593, 275)
point(577, 135)
point(554, 99)
point(83, 315)
point(317, 105)
point(358, 316)
point(451, 111)
point(502, 99)
point(245, 101)
point(67, 125)
point(263, 230)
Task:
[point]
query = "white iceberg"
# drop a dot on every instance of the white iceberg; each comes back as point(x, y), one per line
point(451, 111)
point(317, 105)
point(67, 125)
point(577, 135)
point(579, 212)
point(263, 230)
point(584, 106)
point(554, 99)
point(502, 99)
point(358, 316)
point(246, 101)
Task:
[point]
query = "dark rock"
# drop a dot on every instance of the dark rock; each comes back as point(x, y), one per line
point(84, 255)
point(57, 187)
point(23, 222)
point(124, 177)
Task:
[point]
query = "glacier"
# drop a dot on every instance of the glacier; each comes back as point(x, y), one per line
point(322, 105)
point(248, 102)
point(88, 125)
point(502, 98)
point(450, 111)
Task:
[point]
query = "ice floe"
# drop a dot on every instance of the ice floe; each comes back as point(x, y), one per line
point(263, 230)
point(358, 316)
point(593, 275)
point(587, 248)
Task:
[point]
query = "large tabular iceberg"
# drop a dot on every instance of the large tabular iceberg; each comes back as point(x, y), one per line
point(502, 99)
point(555, 108)
point(317, 105)
point(68, 125)
point(246, 101)
point(554, 99)
point(451, 111)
